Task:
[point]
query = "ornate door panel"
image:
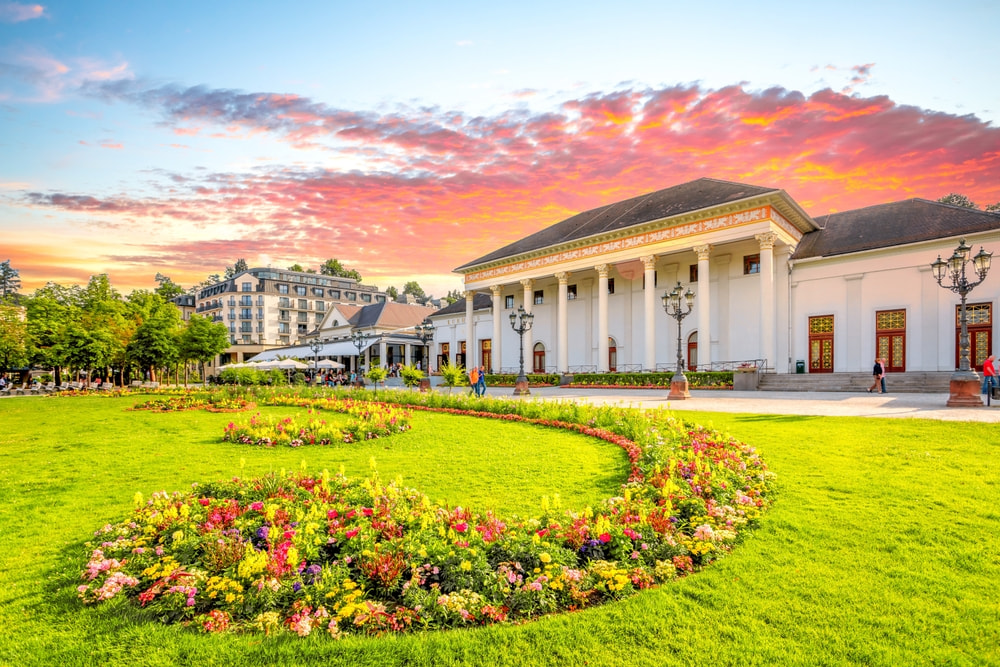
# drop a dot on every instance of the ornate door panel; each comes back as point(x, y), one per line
point(980, 325)
point(821, 344)
point(890, 339)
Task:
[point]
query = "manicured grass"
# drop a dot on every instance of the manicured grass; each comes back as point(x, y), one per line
point(881, 548)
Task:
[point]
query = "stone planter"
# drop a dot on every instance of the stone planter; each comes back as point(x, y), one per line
point(746, 380)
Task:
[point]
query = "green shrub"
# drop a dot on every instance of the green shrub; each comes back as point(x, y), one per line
point(508, 380)
point(695, 379)
point(411, 375)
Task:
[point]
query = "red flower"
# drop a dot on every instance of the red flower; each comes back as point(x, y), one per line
point(604, 537)
point(351, 533)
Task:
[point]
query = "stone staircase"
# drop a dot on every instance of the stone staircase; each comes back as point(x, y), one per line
point(913, 382)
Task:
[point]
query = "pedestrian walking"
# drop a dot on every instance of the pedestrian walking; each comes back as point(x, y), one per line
point(876, 376)
point(989, 375)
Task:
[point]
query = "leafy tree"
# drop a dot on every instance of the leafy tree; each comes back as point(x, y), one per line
point(453, 296)
point(333, 267)
point(83, 348)
point(13, 337)
point(296, 267)
point(956, 199)
point(413, 288)
point(392, 293)
point(105, 315)
point(993, 208)
point(239, 267)
point(154, 344)
point(168, 289)
point(10, 280)
point(51, 309)
point(202, 340)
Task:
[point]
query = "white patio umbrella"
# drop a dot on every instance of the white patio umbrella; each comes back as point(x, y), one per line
point(328, 363)
point(290, 365)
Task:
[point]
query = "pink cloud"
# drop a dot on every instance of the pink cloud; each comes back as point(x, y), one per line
point(15, 12)
point(448, 187)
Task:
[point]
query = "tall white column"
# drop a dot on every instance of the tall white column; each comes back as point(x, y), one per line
point(382, 354)
point(563, 336)
point(495, 354)
point(704, 305)
point(767, 347)
point(529, 348)
point(602, 317)
point(649, 311)
point(407, 354)
point(470, 334)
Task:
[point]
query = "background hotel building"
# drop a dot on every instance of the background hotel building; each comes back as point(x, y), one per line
point(772, 283)
point(265, 308)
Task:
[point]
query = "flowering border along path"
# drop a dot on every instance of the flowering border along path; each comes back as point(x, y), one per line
point(329, 554)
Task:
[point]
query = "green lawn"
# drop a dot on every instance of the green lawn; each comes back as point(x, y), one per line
point(881, 548)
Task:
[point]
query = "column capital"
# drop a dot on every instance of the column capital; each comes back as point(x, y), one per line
point(563, 277)
point(702, 251)
point(527, 283)
point(469, 294)
point(603, 270)
point(766, 240)
point(496, 290)
point(648, 262)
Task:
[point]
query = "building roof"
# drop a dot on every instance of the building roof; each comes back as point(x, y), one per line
point(894, 224)
point(390, 315)
point(677, 200)
point(479, 302)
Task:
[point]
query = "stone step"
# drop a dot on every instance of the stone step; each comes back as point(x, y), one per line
point(918, 382)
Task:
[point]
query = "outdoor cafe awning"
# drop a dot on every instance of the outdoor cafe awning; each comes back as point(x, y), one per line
point(340, 348)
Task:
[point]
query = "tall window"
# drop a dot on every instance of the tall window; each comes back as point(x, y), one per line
point(247, 287)
point(751, 264)
point(570, 292)
point(693, 273)
point(508, 301)
point(282, 288)
point(611, 285)
point(539, 297)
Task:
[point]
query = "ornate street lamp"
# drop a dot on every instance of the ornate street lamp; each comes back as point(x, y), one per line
point(316, 346)
point(359, 339)
point(672, 306)
point(520, 322)
point(965, 386)
point(425, 331)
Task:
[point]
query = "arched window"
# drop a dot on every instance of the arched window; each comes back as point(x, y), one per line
point(612, 355)
point(538, 359)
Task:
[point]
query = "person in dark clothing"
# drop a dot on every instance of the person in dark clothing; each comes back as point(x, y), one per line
point(876, 375)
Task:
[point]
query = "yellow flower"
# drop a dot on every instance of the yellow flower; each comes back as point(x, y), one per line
point(545, 557)
point(466, 565)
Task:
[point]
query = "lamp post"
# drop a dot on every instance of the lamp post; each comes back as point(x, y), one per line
point(425, 331)
point(315, 346)
point(520, 322)
point(359, 338)
point(965, 386)
point(672, 306)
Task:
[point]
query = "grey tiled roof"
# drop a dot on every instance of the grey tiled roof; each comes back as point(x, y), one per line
point(479, 302)
point(677, 200)
point(887, 225)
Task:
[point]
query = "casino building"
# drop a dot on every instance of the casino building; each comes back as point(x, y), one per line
point(772, 284)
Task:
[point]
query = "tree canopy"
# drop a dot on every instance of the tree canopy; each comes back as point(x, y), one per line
point(414, 288)
point(10, 280)
point(958, 199)
point(333, 267)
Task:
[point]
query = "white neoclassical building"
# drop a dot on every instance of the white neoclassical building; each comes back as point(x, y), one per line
point(772, 284)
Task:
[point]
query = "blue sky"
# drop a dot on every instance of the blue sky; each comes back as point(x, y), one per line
point(176, 137)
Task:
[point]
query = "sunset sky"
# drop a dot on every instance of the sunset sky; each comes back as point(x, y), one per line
point(408, 138)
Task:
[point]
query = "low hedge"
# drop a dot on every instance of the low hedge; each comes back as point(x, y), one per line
point(716, 379)
point(537, 379)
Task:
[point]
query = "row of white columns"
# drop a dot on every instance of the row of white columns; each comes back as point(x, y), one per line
point(766, 241)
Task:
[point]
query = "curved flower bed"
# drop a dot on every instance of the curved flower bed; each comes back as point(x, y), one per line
point(328, 554)
point(208, 402)
point(313, 430)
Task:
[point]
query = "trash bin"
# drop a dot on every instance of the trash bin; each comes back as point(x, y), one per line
point(800, 366)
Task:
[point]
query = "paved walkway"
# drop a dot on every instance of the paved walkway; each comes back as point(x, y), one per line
point(831, 404)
